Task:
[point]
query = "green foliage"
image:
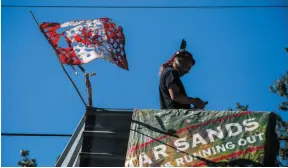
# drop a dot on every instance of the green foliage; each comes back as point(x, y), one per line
point(26, 161)
point(239, 107)
point(280, 87)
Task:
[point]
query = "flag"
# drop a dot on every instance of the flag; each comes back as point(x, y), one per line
point(87, 40)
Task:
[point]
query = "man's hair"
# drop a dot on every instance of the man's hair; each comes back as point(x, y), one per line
point(177, 58)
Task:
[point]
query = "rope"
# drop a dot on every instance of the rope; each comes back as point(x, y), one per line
point(144, 7)
point(27, 134)
point(62, 64)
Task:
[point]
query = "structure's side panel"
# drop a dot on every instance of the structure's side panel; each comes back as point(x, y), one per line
point(105, 138)
point(201, 138)
point(272, 143)
point(71, 152)
point(113, 137)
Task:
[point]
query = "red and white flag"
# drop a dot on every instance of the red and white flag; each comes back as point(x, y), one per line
point(87, 40)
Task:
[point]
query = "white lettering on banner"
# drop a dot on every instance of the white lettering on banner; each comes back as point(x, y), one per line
point(254, 124)
point(195, 140)
point(143, 159)
point(242, 142)
point(219, 134)
point(198, 154)
point(229, 129)
point(129, 163)
point(230, 145)
point(213, 150)
point(168, 164)
point(180, 161)
point(206, 152)
point(188, 160)
point(260, 136)
point(181, 144)
point(159, 150)
point(220, 147)
point(233, 129)
point(251, 139)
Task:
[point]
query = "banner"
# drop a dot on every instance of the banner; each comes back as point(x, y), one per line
point(164, 138)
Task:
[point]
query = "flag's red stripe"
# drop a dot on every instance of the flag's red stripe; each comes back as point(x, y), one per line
point(235, 154)
point(140, 146)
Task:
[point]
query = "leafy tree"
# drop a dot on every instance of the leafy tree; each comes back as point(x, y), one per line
point(26, 161)
point(280, 87)
point(240, 107)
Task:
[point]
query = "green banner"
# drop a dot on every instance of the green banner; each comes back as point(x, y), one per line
point(164, 138)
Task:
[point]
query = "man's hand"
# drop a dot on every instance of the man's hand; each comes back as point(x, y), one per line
point(198, 103)
point(183, 99)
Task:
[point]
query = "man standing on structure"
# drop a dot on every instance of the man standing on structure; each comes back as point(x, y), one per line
point(171, 90)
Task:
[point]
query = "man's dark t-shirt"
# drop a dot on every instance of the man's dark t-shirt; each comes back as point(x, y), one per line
point(168, 76)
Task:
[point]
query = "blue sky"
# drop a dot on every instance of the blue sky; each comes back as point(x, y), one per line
point(239, 53)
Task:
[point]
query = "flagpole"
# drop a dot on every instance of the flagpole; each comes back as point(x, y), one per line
point(89, 88)
point(60, 62)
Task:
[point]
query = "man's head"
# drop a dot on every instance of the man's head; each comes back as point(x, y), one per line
point(183, 62)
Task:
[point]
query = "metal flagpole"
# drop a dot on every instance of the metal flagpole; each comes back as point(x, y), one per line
point(60, 61)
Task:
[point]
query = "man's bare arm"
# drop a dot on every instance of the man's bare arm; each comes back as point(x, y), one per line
point(176, 96)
